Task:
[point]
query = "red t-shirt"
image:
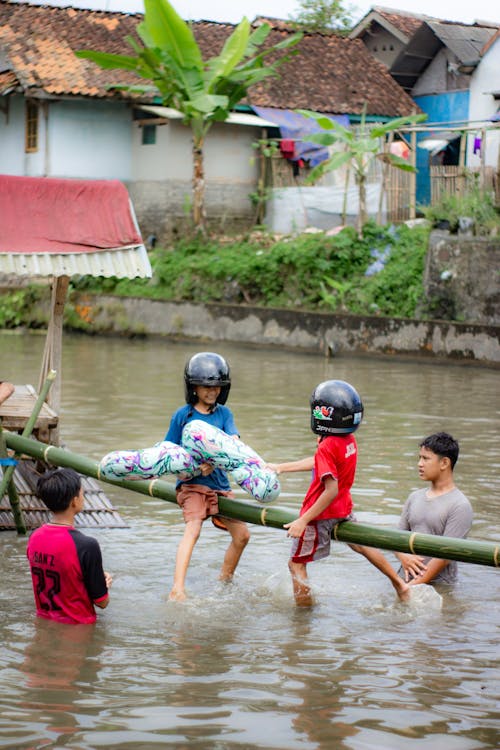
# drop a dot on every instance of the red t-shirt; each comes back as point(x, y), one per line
point(67, 574)
point(336, 456)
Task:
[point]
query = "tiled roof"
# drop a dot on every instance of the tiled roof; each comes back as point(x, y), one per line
point(39, 43)
point(331, 73)
point(406, 23)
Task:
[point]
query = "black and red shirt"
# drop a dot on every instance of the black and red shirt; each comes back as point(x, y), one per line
point(67, 574)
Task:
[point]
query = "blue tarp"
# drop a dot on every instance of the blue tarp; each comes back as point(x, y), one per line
point(295, 126)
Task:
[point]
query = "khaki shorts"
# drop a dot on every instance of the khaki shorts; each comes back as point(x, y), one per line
point(199, 502)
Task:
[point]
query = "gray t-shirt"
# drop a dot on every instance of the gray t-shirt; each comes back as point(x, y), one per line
point(444, 515)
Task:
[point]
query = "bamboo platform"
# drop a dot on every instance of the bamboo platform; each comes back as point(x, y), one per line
point(16, 410)
point(98, 511)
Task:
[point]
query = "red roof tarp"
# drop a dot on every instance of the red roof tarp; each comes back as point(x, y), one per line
point(48, 215)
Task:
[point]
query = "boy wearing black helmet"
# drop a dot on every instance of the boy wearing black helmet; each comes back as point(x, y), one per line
point(207, 382)
point(336, 413)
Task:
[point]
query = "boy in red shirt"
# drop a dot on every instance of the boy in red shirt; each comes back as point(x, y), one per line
point(66, 565)
point(336, 413)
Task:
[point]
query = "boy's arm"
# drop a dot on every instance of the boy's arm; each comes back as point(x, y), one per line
point(296, 528)
point(458, 524)
point(303, 464)
point(6, 390)
point(432, 569)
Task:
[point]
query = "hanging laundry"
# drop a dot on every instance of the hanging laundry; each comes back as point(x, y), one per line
point(477, 144)
point(400, 148)
point(287, 148)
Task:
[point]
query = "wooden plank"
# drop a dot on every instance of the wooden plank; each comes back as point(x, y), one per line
point(17, 409)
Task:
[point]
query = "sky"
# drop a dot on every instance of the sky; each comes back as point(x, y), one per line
point(232, 11)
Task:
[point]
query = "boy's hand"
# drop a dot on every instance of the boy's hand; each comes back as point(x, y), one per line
point(295, 528)
point(109, 579)
point(413, 565)
point(206, 469)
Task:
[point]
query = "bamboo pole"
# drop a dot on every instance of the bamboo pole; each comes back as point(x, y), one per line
point(28, 428)
point(11, 490)
point(447, 548)
point(52, 355)
point(7, 481)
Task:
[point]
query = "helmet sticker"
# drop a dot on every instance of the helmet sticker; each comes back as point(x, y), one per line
point(323, 412)
point(357, 417)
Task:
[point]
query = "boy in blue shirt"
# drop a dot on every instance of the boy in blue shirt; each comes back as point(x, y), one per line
point(207, 383)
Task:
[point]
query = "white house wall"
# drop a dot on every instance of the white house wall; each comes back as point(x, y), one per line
point(76, 139)
point(433, 79)
point(12, 136)
point(484, 80)
point(161, 185)
point(90, 140)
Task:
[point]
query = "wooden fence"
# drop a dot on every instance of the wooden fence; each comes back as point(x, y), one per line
point(456, 180)
point(399, 185)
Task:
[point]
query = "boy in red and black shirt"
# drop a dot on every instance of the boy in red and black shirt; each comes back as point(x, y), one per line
point(66, 566)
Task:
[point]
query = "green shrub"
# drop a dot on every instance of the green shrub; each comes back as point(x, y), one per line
point(309, 272)
point(475, 204)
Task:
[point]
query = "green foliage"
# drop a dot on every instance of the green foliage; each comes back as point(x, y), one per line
point(397, 289)
point(323, 15)
point(19, 307)
point(205, 91)
point(359, 147)
point(475, 204)
point(309, 272)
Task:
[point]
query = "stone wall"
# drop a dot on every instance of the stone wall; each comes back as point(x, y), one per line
point(462, 278)
point(323, 332)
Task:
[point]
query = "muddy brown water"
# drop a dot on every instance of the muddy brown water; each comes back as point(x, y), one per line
point(237, 666)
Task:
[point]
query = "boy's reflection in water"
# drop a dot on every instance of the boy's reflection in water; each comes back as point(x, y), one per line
point(60, 663)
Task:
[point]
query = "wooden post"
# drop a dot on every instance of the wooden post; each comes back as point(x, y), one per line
point(482, 169)
point(461, 163)
point(385, 176)
point(413, 175)
point(447, 548)
point(52, 355)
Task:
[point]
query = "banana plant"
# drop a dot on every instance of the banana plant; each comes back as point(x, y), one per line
point(204, 91)
point(360, 147)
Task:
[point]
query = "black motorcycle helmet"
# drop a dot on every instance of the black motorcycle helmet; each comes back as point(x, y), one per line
point(206, 368)
point(336, 408)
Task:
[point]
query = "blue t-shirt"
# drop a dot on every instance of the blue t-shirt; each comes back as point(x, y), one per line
point(221, 417)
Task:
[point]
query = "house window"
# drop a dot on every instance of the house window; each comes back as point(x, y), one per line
point(148, 135)
point(31, 127)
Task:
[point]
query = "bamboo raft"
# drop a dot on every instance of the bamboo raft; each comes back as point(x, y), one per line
point(25, 409)
point(448, 548)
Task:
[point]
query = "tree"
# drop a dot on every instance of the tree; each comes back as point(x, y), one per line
point(323, 15)
point(203, 91)
point(360, 147)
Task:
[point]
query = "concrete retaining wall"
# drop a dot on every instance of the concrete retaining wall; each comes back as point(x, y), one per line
point(323, 332)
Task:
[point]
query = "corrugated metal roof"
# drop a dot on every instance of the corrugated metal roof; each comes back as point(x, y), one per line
point(235, 118)
point(466, 42)
point(124, 263)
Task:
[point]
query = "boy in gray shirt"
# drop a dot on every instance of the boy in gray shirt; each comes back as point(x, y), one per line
point(441, 509)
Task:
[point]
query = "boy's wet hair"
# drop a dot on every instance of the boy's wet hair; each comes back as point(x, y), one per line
point(57, 488)
point(443, 445)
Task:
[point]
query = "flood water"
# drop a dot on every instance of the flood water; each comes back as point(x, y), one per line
point(237, 666)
